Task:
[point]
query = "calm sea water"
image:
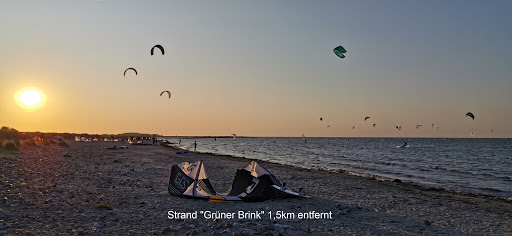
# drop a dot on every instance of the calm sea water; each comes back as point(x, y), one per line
point(481, 166)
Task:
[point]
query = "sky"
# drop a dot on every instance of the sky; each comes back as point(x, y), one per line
point(260, 68)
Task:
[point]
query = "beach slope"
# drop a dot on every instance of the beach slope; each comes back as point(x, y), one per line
point(88, 189)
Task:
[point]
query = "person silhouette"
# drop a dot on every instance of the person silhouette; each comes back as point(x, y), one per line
point(195, 145)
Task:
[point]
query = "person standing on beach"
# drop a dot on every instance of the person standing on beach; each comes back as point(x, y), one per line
point(195, 145)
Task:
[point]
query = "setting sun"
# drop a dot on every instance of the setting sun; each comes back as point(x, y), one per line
point(30, 98)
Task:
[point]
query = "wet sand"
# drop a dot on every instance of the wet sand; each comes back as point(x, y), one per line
point(88, 189)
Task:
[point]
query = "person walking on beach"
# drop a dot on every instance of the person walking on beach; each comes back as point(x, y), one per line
point(195, 145)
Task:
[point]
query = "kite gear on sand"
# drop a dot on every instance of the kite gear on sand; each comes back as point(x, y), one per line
point(254, 183)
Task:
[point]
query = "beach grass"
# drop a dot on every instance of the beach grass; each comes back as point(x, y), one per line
point(9, 139)
point(9, 145)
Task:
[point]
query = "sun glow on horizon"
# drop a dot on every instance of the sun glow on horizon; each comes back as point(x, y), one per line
point(30, 98)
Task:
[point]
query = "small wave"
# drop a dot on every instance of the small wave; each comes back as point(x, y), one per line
point(492, 189)
point(359, 167)
point(327, 169)
point(487, 174)
point(442, 168)
point(357, 174)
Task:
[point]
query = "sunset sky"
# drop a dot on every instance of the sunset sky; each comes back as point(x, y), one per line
point(259, 68)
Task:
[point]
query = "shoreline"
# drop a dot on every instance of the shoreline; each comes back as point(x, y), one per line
point(378, 178)
point(362, 175)
point(87, 189)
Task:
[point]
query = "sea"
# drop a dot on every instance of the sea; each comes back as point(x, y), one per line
point(471, 165)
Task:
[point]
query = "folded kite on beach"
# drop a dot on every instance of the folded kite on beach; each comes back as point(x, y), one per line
point(254, 183)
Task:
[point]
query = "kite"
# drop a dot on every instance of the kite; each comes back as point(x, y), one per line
point(130, 69)
point(339, 51)
point(366, 118)
point(321, 119)
point(159, 47)
point(373, 125)
point(470, 115)
point(165, 92)
point(234, 136)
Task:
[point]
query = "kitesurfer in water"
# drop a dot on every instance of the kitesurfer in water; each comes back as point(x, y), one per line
point(405, 144)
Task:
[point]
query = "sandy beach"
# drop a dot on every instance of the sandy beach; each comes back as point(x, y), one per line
point(88, 189)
